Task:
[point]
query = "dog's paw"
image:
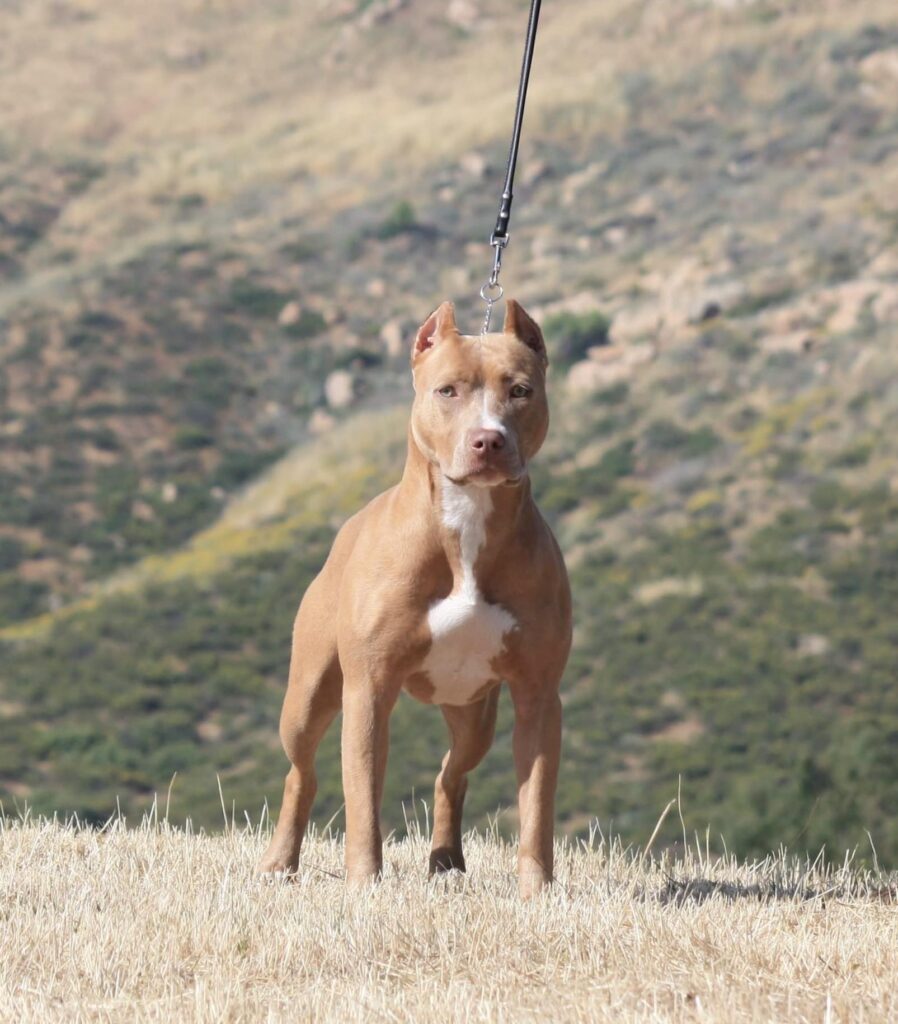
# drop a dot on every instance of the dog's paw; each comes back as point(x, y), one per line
point(445, 859)
point(275, 870)
point(279, 876)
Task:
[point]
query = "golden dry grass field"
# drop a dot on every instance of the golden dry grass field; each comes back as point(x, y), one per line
point(155, 924)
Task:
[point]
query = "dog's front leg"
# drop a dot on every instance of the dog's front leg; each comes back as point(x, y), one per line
point(537, 750)
point(366, 740)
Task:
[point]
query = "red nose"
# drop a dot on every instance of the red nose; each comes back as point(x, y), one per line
point(486, 441)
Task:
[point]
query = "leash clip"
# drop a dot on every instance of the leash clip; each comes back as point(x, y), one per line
point(492, 291)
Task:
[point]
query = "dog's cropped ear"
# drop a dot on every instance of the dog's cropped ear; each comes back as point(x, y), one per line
point(440, 323)
point(524, 327)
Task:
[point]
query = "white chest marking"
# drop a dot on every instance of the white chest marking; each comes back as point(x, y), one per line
point(467, 633)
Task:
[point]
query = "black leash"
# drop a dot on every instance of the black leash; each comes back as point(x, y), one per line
point(492, 291)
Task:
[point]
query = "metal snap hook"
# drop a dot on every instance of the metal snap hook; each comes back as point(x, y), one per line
point(491, 292)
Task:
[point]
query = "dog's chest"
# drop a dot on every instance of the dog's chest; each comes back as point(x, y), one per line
point(467, 632)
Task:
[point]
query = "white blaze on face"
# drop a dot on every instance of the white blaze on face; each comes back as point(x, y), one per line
point(488, 419)
point(481, 417)
point(467, 633)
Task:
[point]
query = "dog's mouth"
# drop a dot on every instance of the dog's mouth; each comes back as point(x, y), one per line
point(486, 468)
point(487, 476)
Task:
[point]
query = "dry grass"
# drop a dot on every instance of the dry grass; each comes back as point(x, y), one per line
point(155, 924)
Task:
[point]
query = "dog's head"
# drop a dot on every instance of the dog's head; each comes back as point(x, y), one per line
point(480, 410)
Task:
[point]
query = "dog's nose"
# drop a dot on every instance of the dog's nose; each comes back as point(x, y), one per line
point(487, 441)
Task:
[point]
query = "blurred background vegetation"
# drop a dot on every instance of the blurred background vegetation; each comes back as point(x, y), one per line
point(219, 226)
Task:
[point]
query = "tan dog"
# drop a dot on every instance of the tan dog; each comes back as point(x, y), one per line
point(445, 585)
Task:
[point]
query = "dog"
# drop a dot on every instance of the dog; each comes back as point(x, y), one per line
point(446, 585)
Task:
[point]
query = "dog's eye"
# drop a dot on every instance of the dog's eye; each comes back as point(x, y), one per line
point(520, 391)
point(447, 392)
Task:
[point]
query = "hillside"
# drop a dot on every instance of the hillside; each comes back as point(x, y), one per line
point(157, 925)
point(210, 281)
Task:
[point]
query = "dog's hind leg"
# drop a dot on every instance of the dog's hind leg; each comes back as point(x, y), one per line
point(313, 699)
point(472, 728)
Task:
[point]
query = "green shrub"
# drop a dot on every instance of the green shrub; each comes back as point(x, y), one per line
point(309, 324)
point(20, 599)
point(238, 465)
point(855, 455)
point(84, 341)
point(570, 335)
point(302, 249)
point(11, 553)
point(614, 464)
point(191, 437)
point(757, 302)
point(99, 320)
point(256, 300)
point(614, 395)
point(117, 487)
point(363, 358)
point(828, 495)
point(211, 380)
point(401, 219)
point(667, 437)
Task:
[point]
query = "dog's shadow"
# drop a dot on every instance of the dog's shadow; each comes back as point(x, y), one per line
point(680, 892)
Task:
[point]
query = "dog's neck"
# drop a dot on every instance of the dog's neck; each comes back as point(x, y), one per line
point(449, 503)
